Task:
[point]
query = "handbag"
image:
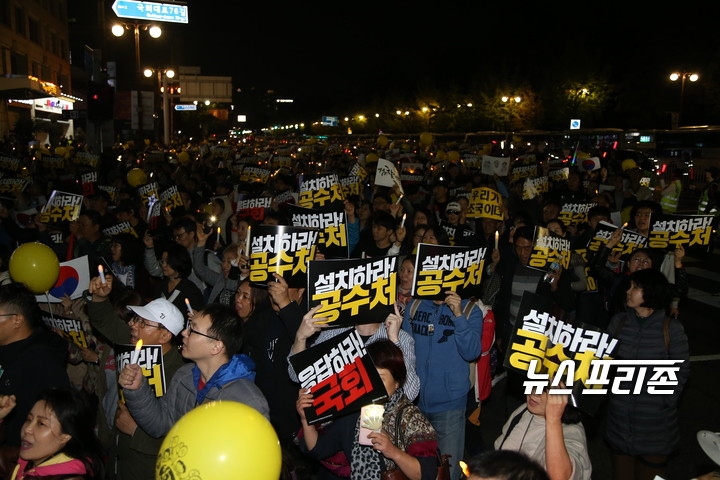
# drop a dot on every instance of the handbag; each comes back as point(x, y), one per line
point(395, 473)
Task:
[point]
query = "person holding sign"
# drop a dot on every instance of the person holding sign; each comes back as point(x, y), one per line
point(549, 431)
point(403, 438)
point(216, 372)
point(642, 429)
point(156, 323)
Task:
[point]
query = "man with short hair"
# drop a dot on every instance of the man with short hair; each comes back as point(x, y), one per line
point(217, 371)
point(32, 358)
point(383, 229)
point(156, 323)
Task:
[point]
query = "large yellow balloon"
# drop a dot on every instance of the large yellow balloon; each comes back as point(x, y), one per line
point(426, 139)
point(183, 158)
point(441, 155)
point(136, 177)
point(371, 157)
point(218, 441)
point(36, 265)
point(453, 156)
point(383, 141)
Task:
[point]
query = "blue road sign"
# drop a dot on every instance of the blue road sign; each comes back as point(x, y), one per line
point(154, 11)
point(186, 107)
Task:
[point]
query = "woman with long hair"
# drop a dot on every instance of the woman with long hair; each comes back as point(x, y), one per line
point(175, 285)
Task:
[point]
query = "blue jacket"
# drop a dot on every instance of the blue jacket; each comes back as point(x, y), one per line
point(442, 357)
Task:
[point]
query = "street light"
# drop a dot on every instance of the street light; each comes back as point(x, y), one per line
point(682, 76)
point(163, 85)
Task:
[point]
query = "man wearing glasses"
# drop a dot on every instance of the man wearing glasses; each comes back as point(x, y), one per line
point(157, 323)
point(211, 341)
point(32, 358)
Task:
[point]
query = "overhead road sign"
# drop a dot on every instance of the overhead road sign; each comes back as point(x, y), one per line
point(151, 11)
point(185, 107)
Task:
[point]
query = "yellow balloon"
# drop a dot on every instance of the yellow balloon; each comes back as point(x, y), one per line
point(36, 265)
point(183, 158)
point(405, 146)
point(442, 155)
point(136, 177)
point(220, 440)
point(383, 140)
point(453, 156)
point(371, 157)
point(426, 139)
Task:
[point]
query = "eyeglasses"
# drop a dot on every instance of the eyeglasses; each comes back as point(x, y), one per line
point(7, 314)
point(453, 212)
point(142, 323)
point(178, 236)
point(641, 261)
point(192, 330)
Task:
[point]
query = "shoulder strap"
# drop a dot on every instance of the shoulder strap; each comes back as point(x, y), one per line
point(468, 308)
point(513, 424)
point(666, 334)
point(398, 417)
point(414, 305)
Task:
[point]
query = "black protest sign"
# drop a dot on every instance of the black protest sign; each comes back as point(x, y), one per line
point(321, 191)
point(629, 242)
point(61, 206)
point(541, 338)
point(150, 361)
point(668, 231)
point(440, 268)
point(88, 181)
point(254, 207)
point(574, 213)
point(341, 376)
point(353, 291)
point(171, 198)
point(549, 248)
point(122, 227)
point(70, 328)
point(332, 225)
point(283, 250)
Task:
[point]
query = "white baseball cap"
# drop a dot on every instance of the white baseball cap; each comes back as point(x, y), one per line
point(163, 312)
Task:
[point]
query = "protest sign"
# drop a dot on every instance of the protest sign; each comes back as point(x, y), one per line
point(122, 227)
point(592, 285)
point(13, 185)
point(495, 165)
point(111, 190)
point(549, 341)
point(386, 174)
point(11, 164)
point(52, 162)
point(629, 242)
point(574, 213)
point(332, 225)
point(171, 198)
point(150, 362)
point(88, 182)
point(440, 268)
point(549, 248)
point(251, 174)
point(535, 186)
point(254, 207)
point(559, 175)
point(69, 328)
point(353, 291)
point(283, 250)
point(520, 172)
point(61, 206)
point(341, 376)
point(485, 202)
point(86, 158)
point(149, 193)
point(321, 191)
point(668, 231)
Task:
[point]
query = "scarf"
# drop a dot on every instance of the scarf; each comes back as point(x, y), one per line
point(239, 366)
point(60, 464)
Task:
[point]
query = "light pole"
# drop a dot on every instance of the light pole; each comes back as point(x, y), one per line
point(119, 29)
point(509, 102)
point(682, 76)
point(164, 87)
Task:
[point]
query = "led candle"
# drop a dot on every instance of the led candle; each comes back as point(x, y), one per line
point(101, 272)
point(135, 355)
point(402, 223)
point(497, 237)
point(187, 304)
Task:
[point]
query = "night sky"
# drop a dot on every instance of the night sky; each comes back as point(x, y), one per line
point(327, 53)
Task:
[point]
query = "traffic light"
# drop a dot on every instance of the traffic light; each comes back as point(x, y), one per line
point(101, 100)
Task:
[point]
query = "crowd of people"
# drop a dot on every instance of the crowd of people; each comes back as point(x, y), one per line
point(180, 280)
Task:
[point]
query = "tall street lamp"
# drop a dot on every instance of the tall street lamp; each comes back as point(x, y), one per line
point(682, 76)
point(162, 76)
point(510, 102)
point(119, 29)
